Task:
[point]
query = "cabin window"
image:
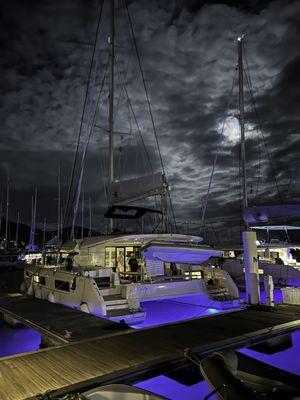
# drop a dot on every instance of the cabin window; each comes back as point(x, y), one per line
point(110, 256)
point(137, 254)
point(42, 280)
point(117, 257)
point(62, 285)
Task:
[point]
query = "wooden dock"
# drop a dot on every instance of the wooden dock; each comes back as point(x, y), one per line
point(74, 366)
point(56, 323)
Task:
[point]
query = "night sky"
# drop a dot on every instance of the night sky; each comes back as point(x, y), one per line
point(189, 55)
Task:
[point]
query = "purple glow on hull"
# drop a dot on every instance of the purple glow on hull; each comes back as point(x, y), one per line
point(174, 390)
point(17, 340)
point(173, 310)
point(287, 360)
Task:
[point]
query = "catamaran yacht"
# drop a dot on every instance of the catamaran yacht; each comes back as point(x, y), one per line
point(100, 281)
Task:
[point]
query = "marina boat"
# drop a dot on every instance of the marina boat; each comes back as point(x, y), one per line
point(280, 259)
point(100, 281)
point(233, 375)
point(119, 392)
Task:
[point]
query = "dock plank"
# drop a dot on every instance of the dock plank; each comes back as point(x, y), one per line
point(110, 358)
point(62, 324)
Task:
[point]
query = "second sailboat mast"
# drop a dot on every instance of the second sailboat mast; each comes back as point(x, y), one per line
point(242, 121)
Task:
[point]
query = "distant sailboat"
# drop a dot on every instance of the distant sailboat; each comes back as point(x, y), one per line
point(285, 272)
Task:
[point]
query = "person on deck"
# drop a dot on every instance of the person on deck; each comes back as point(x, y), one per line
point(174, 269)
point(69, 263)
point(133, 264)
point(120, 263)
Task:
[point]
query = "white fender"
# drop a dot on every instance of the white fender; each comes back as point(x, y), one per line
point(29, 290)
point(51, 297)
point(84, 308)
point(23, 287)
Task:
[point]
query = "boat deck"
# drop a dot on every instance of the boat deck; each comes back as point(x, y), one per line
point(75, 366)
point(54, 321)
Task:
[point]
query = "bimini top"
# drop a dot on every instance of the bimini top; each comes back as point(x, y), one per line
point(179, 253)
point(138, 239)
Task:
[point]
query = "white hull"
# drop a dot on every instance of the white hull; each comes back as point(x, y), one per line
point(98, 290)
point(120, 392)
point(285, 275)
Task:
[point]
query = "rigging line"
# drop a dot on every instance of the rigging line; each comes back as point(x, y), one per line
point(83, 113)
point(292, 179)
point(259, 170)
point(249, 85)
point(102, 164)
point(216, 157)
point(79, 180)
point(86, 143)
point(248, 79)
point(135, 118)
point(145, 86)
point(147, 95)
point(122, 80)
point(172, 210)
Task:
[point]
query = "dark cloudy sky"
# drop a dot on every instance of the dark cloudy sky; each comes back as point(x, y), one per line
point(188, 52)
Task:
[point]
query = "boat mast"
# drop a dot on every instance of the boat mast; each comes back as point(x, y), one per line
point(58, 209)
point(17, 229)
point(111, 41)
point(242, 122)
point(90, 218)
point(82, 211)
point(44, 234)
point(33, 220)
point(248, 237)
point(7, 214)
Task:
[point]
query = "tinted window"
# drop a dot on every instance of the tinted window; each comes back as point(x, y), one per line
point(62, 285)
point(42, 280)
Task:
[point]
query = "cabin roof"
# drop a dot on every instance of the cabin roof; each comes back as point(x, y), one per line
point(139, 239)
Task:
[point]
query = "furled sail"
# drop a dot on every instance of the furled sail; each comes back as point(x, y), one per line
point(264, 213)
point(130, 190)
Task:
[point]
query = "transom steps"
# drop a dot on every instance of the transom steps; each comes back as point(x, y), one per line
point(125, 311)
point(110, 291)
point(112, 297)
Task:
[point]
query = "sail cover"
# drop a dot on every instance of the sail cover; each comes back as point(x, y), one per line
point(124, 192)
point(128, 212)
point(178, 254)
point(277, 228)
point(264, 213)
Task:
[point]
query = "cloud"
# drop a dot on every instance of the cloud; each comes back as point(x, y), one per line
point(188, 53)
